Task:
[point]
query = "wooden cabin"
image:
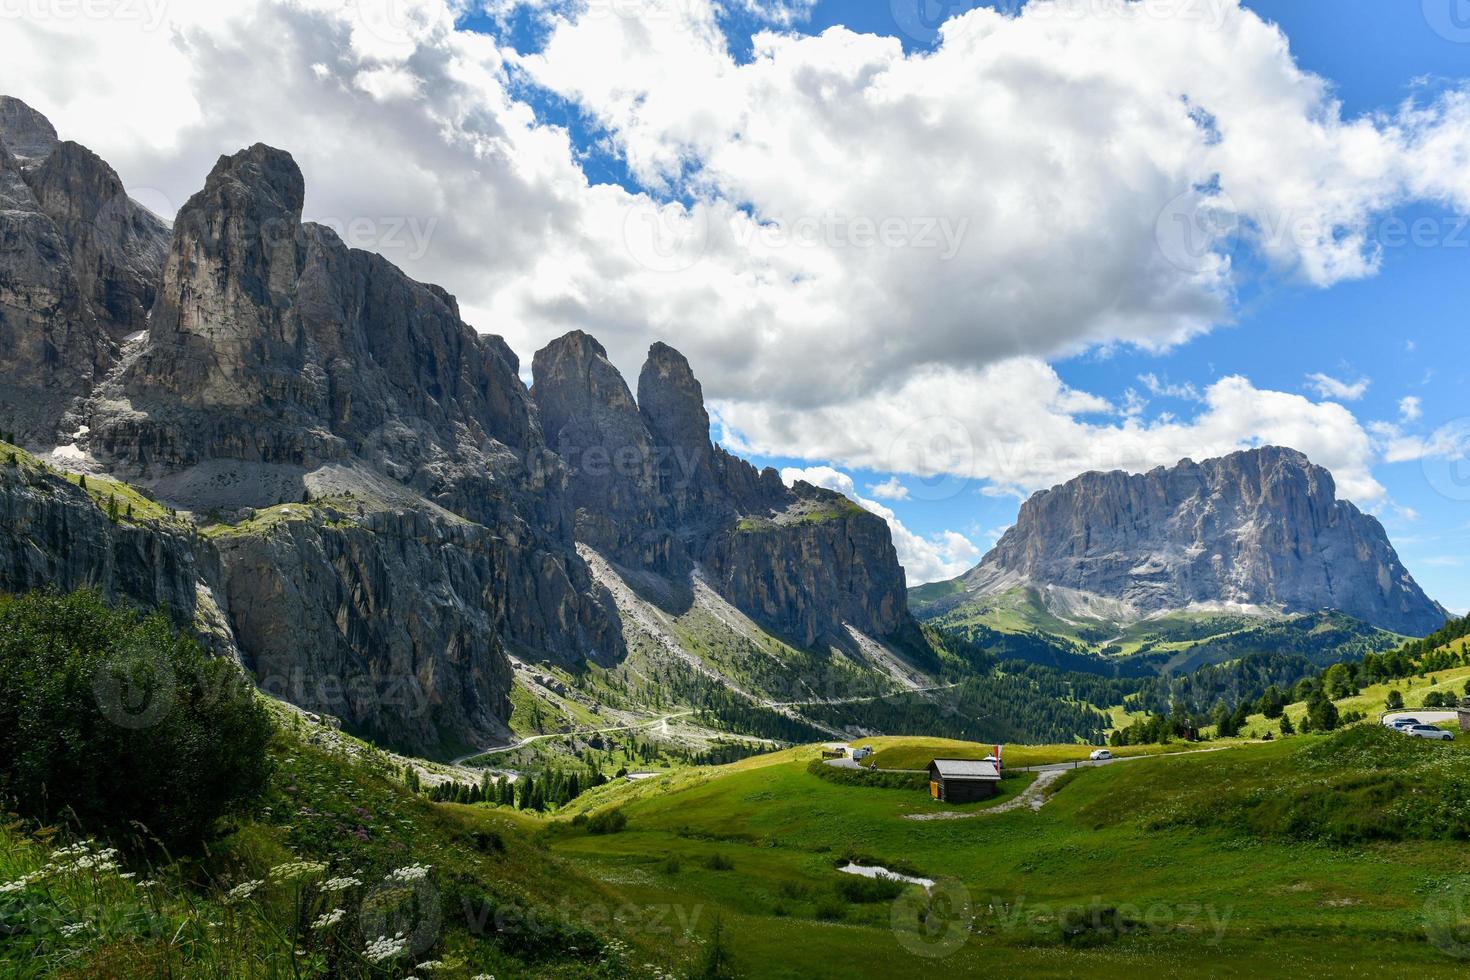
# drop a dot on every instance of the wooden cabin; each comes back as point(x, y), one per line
point(963, 780)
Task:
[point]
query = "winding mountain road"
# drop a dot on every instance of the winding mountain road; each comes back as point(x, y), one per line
point(531, 739)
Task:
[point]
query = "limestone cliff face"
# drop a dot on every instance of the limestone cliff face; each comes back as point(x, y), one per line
point(390, 623)
point(653, 493)
point(374, 514)
point(79, 264)
point(1262, 527)
point(53, 535)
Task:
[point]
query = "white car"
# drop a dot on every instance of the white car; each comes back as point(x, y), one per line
point(1402, 723)
point(1428, 731)
point(1100, 755)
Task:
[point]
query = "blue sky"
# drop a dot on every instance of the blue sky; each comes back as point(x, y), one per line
point(1401, 330)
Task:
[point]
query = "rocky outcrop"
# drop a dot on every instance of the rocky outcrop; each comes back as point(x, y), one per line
point(811, 569)
point(1257, 528)
point(377, 514)
point(26, 133)
point(116, 246)
point(79, 264)
point(653, 493)
point(53, 535)
point(593, 424)
point(389, 623)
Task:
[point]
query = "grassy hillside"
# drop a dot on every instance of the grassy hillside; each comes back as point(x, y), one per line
point(337, 831)
point(1372, 701)
point(915, 753)
point(1178, 865)
point(1022, 624)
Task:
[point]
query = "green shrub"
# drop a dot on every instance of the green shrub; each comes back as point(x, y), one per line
point(843, 776)
point(718, 862)
point(120, 721)
point(860, 890)
point(607, 822)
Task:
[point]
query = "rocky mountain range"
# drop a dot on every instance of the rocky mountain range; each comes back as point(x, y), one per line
point(342, 484)
point(1258, 531)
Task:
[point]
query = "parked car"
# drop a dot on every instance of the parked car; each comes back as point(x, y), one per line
point(1100, 755)
point(1428, 731)
point(1402, 723)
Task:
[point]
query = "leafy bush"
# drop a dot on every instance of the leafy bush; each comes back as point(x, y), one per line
point(843, 776)
point(607, 822)
point(718, 862)
point(860, 890)
point(120, 720)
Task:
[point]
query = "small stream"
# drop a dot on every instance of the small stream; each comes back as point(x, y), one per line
point(857, 869)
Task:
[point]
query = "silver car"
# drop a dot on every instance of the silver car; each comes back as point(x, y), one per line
point(1428, 731)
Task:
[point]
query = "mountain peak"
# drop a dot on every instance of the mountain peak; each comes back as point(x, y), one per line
point(672, 400)
point(1261, 527)
point(26, 133)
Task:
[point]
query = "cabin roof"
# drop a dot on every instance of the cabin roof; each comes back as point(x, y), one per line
point(965, 768)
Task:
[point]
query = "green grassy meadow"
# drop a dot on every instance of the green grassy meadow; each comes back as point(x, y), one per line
point(1125, 869)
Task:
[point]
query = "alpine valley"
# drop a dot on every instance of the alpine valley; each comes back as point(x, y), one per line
point(506, 646)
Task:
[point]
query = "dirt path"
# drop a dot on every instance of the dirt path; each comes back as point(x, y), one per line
point(496, 750)
point(1033, 798)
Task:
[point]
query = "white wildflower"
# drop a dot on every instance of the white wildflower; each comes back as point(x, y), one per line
point(340, 884)
point(430, 965)
point(297, 869)
point(243, 891)
point(410, 874)
point(73, 928)
point(383, 948)
point(328, 919)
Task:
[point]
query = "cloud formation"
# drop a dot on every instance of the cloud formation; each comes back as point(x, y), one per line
point(939, 223)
